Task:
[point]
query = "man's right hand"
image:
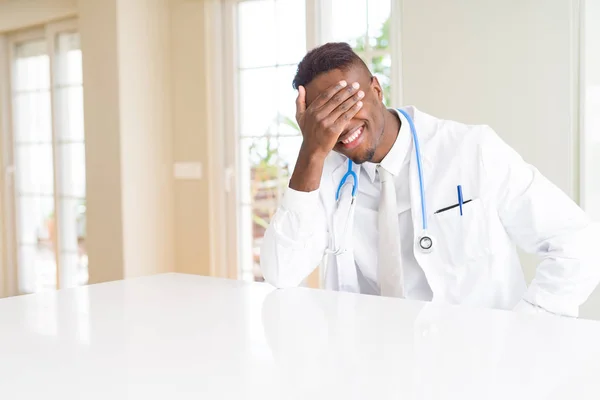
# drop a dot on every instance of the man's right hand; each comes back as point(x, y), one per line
point(322, 124)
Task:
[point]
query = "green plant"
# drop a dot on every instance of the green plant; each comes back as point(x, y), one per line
point(268, 168)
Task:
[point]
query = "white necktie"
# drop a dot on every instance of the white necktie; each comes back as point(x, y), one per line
point(389, 272)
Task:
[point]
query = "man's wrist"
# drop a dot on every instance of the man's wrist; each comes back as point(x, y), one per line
point(307, 173)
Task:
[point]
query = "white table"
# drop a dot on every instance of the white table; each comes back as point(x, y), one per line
point(187, 337)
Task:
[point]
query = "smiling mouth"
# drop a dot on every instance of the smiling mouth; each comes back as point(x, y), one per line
point(353, 135)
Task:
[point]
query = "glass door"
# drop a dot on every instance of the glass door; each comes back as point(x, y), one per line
point(267, 136)
point(34, 178)
point(49, 158)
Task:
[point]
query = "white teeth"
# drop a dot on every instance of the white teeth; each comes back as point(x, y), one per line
point(353, 137)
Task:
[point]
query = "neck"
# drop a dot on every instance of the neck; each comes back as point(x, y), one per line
point(389, 135)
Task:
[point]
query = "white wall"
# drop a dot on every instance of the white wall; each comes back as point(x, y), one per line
point(590, 182)
point(591, 109)
point(511, 64)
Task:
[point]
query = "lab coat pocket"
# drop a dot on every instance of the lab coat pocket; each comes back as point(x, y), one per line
point(465, 238)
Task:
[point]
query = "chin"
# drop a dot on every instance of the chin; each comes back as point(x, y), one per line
point(362, 155)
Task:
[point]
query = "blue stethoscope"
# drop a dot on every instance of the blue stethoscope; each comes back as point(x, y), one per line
point(424, 241)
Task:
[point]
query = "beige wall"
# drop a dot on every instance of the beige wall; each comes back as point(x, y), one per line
point(159, 106)
point(127, 79)
point(4, 162)
point(144, 43)
point(21, 14)
point(98, 28)
point(190, 135)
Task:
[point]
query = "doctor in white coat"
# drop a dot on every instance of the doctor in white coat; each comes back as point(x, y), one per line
point(371, 242)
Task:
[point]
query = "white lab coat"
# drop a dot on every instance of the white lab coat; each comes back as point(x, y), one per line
point(474, 260)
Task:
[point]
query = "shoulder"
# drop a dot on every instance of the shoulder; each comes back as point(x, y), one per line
point(450, 139)
point(456, 132)
point(451, 136)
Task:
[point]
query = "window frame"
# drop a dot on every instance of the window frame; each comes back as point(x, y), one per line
point(318, 13)
point(9, 206)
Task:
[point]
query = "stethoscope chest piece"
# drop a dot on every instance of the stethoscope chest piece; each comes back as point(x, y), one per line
point(425, 243)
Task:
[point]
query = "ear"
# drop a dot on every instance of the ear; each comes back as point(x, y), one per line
point(375, 86)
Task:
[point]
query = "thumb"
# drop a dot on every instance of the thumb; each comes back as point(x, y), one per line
point(300, 101)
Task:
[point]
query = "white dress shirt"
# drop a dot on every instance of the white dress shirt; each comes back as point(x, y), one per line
point(366, 238)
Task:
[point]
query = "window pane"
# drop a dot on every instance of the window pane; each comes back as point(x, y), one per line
point(72, 169)
point(72, 242)
point(266, 160)
point(381, 66)
point(291, 31)
point(286, 101)
point(37, 268)
point(34, 166)
point(71, 156)
point(349, 22)
point(261, 217)
point(272, 40)
point(257, 33)
point(261, 158)
point(246, 243)
point(32, 67)
point(37, 263)
point(68, 59)
point(32, 121)
point(265, 169)
point(255, 220)
point(34, 169)
point(379, 25)
point(258, 102)
point(246, 149)
point(68, 88)
point(69, 214)
point(287, 154)
point(36, 219)
point(69, 111)
point(74, 269)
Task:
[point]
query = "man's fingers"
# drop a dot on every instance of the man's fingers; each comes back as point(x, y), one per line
point(338, 99)
point(342, 121)
point(300, 101)
point(324, 97)
point(346, 105)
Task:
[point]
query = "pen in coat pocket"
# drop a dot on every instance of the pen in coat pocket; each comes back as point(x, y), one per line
point(460, 198)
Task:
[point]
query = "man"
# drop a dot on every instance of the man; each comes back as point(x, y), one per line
point(481, 201)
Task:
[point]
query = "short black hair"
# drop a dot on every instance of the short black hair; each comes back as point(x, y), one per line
point(330, 56)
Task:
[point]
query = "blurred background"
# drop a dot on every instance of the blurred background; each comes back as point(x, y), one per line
point(148, 136)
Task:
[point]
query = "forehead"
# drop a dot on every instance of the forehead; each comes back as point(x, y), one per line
point(328, 79)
